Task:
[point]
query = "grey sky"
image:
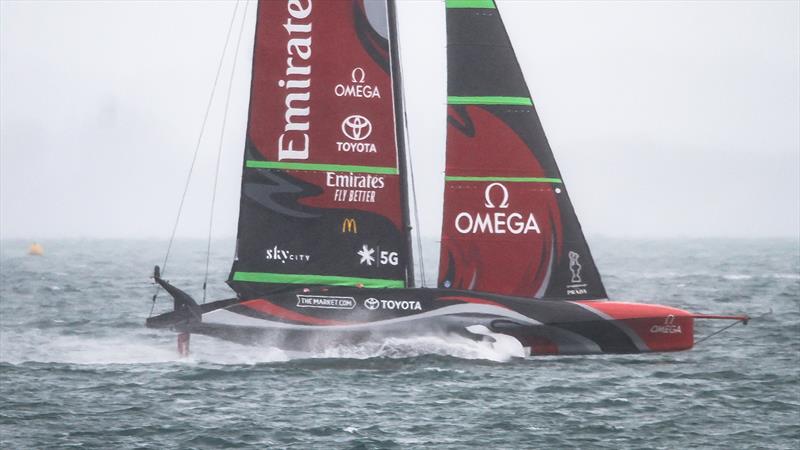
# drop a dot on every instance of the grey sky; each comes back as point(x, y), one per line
point(667, 119)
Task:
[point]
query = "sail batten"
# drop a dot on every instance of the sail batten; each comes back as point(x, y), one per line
point(489, 100)
point(320, 167)
point(327, 280)
point(470, 4)
point(504, 179)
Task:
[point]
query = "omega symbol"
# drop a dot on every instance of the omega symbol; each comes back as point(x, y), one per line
point(358, 75)
point(488, 196)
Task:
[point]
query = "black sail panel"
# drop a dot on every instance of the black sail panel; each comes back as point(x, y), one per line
point(509, 226)
point(321, 200)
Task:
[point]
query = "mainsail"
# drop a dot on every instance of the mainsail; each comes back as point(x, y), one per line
point(508, 226)
point(322, 190)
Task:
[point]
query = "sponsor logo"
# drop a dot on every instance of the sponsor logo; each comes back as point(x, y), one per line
point(366, 255)
point(326, 302)
point(575, 267)
point(669, 327)
point(356, 147)
point(293, 143)
point(577, 287)
point(351, 180)
point(377, 257)
point(354, 188)
point(356, 128)
point(401, 305)
point(496, 222)
point(284, 256)
point(357, 88)
point(349, 225)
point(372, 304)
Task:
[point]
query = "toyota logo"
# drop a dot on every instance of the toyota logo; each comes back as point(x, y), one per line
point(372, 303)
point(357, 127)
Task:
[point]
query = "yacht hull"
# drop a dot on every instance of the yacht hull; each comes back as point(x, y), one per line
point(314, 319)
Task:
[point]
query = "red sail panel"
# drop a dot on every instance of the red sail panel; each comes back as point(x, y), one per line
point(319, 95)
point(508, 225)
point(501, 220)
point(321, 183)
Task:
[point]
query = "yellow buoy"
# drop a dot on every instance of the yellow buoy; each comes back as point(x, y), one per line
point(36, 249)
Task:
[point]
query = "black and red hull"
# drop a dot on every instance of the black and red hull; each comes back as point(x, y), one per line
point(320, 318)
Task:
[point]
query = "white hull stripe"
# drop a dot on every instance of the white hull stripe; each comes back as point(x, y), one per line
point(568, 342)
point(226, 317)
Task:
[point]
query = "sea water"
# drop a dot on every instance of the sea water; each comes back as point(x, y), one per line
point(78, 369)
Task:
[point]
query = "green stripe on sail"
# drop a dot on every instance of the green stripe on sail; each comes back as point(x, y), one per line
point(506, 179)
point(320, 167)
point(328, 280)
point(489, 100)
point(487, 4)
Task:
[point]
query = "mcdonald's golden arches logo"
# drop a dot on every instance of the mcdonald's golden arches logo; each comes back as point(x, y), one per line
point(349, 225)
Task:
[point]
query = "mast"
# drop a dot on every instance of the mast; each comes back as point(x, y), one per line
point(400, 124)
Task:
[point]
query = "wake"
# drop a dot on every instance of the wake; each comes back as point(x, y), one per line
point(142, 348)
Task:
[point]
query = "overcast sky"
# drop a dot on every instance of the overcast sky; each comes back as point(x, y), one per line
point(666, 118)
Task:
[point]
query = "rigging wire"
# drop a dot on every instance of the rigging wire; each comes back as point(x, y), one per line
point(219, 149)
point(196, 150)
point(414, 197)
point(742, 321)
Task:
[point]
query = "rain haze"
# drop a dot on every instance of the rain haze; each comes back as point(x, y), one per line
point(324, 323)
point(668, 119)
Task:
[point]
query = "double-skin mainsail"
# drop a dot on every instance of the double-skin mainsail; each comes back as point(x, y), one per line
point(323, 198)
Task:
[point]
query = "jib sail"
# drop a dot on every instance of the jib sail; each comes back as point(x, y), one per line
point(321, 200)
point(508, 226)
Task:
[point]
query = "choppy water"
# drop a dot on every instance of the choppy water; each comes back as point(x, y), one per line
point(78, 369)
